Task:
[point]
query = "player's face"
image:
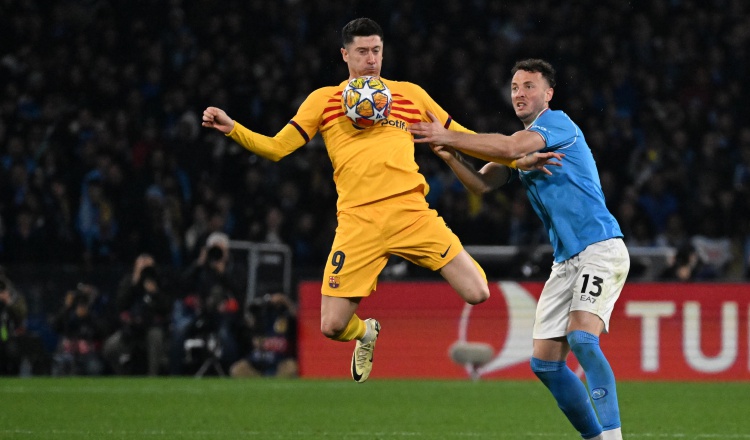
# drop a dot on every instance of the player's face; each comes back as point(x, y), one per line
point(530, 94)
point(364, 56)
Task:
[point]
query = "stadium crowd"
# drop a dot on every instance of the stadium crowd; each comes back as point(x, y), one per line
point(102, 157)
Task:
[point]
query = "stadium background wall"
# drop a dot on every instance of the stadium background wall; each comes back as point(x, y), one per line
point(659, 331)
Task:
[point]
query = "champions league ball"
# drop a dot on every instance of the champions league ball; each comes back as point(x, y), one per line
point(366, 100)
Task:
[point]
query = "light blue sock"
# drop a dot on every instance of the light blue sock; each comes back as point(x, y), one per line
point(599, 375)
point(570, 394)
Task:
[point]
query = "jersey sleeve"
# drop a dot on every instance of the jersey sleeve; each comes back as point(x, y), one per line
point(273, 148)
point(294, 135)
point(453, 125)
point(433, 107)
point(556, 129)
point(310, 113)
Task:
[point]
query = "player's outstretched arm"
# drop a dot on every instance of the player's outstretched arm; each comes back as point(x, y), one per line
point(492, 147)
point(273, 148)
point(217, 118)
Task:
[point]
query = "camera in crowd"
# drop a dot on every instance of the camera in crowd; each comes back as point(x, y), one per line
point(83, 295)
point(217, 244)
point(150, 279)
point(81, 298)
point(215, 253)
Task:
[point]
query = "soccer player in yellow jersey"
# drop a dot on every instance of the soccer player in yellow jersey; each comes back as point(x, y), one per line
point(381, 195)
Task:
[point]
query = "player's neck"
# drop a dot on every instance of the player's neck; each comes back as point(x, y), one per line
point(528, 122)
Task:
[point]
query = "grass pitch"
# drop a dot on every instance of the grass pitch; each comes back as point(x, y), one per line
point(270, 409)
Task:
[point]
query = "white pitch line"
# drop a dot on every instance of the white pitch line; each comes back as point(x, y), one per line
point(348, 434)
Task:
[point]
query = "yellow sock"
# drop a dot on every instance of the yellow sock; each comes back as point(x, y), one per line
point(355, 329)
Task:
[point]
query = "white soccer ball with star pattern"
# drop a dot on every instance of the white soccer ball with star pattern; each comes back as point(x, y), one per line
point(366, 100)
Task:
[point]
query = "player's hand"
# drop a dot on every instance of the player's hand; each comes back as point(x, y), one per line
point(432, 132)
point(217, 118)
point(443, 152)
point(539, 161)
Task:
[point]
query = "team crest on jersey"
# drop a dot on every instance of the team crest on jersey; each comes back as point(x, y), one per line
point(333, 282)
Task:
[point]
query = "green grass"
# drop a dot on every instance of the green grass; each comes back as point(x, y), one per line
point(270, 409)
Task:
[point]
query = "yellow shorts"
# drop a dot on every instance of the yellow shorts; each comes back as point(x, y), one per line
point(367, 235)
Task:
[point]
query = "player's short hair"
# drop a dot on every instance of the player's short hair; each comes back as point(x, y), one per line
point(536, 65)
point(360, 27)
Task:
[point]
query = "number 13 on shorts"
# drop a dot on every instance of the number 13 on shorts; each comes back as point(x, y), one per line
point(599, 279)
point(596, 291)
point(591, 290)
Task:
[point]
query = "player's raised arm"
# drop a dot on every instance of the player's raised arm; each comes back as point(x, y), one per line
point(217, 118)
point(273, 148)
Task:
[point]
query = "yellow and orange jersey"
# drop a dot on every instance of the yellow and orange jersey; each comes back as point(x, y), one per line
point(369, 164)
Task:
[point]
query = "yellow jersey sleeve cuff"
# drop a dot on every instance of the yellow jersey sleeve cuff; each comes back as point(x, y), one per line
point(234, 130)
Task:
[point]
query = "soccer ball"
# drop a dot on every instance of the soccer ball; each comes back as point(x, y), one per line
point(366, 100)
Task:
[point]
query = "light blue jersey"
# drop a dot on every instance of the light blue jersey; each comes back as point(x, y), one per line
point(570, 202)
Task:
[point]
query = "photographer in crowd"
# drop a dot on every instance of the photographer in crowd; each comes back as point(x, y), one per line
point(13, 312)
point(143, 308)
point(209, 309)
point(268, 338)
point(81, 328)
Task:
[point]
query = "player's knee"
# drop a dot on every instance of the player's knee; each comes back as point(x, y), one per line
point(585, 347)
point(478, 295)
point(331, 328)
point(546, 371)
point(582, 343)
point(539, 366)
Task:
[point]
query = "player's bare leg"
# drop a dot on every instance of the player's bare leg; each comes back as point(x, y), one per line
point(335, 316)
point(467, 278)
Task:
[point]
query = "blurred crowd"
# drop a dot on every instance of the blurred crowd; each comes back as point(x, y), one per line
point(103, 159)
point(103, 156)
point(155, 322)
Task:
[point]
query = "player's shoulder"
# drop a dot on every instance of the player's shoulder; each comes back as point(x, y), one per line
point(407, 93)
point(554, 117)
point(322, 97)
point(328, 91)
point(553, 114)
point(403, 86)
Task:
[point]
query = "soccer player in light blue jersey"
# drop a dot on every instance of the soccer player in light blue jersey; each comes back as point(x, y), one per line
point(591, 261)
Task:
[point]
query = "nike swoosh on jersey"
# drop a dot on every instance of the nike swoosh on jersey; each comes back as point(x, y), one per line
point(446, 252)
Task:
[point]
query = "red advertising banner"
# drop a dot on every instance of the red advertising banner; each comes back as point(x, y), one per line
point(694, 332)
